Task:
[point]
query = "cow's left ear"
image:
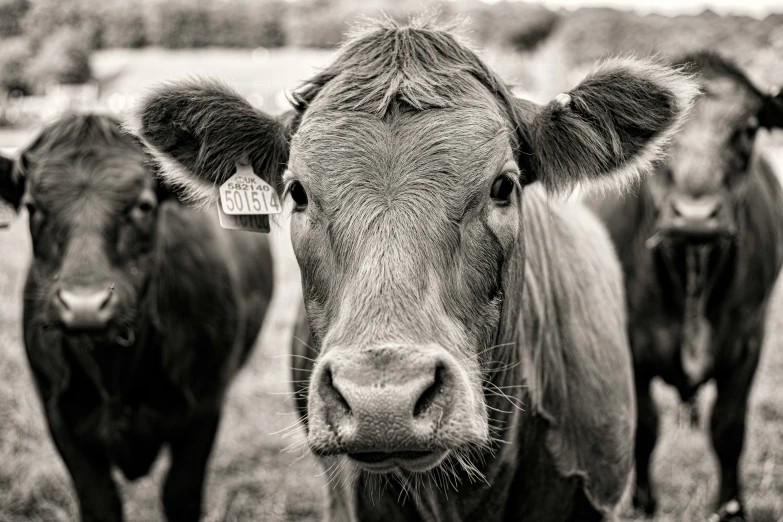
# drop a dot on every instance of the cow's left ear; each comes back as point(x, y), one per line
point(199, 131)
point(612, 127)
point(770, 115)
point(12, 182)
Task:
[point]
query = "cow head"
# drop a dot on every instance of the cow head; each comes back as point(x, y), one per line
point(92, 206)
point(406, 162)
point(695, 191)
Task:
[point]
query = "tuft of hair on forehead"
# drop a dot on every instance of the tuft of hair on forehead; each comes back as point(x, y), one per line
point(422, 65)
point(74, 133)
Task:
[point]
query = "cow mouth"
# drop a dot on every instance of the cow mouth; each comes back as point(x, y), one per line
point(386, 461)
point(116, 335)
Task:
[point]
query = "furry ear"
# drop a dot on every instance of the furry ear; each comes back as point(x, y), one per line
point(612, 127)
point(199, 131)
point(12, 182)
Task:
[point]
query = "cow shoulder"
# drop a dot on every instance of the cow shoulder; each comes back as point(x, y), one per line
point(760, 242)
point(196, 301)
point(251, 259)
point(577, 358)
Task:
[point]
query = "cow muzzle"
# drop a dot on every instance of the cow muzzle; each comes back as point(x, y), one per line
point(85, 307)
point(392, 407)
point(704, 219)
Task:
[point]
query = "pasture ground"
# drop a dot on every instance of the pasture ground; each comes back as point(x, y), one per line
point(251, 476)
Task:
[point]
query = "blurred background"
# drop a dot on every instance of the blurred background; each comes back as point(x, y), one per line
point(58, 55)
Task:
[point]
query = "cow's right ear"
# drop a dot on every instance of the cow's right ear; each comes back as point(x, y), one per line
point(199, 131)
point(12, 182)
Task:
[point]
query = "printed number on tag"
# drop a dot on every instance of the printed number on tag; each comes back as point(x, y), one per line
point(249, 222)
point(245, 193)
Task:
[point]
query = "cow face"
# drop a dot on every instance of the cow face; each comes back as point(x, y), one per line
point(92, 208)
point(406, 162)
point(696, 189)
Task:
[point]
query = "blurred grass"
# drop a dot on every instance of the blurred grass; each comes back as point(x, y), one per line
point(251, 478)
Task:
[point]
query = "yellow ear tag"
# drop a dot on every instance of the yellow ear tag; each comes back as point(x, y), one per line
point(7, 214)
point(246, 201)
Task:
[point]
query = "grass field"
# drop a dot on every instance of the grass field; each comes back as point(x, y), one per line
point(251, 477)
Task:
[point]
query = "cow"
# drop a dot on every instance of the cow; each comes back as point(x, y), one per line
point(701, 245)
point(465, 353)
point(138, 311)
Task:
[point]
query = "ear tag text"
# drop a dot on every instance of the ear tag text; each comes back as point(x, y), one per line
point(7, 214)
point(246, 201)
point(249, 222)
point(245, 193)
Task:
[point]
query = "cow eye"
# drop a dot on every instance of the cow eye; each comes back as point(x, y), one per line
point(298, 194)
point(31, 208)
point(502, 188)
point(146, 207)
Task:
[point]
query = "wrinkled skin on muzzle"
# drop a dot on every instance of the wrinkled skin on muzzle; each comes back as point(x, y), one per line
point(701, 219)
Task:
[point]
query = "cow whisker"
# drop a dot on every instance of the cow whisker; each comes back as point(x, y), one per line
point(494, 346)
point(306, 345)
point(286, 355)
point(295, 424)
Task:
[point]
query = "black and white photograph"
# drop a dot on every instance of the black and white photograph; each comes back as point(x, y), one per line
point(391, 261)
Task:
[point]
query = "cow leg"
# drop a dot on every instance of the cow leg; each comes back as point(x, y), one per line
point(646, 436)
point(90, 471)
point(190, 452)
point(728, 422)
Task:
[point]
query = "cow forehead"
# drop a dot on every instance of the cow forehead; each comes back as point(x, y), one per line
point(439, 151)
point(91, 183)
point(701, 155)
point(400, 183)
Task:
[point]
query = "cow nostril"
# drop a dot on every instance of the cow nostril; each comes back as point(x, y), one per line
point(716, 211)
point(676, 211)
point(431, 393)
point(108, 299)
point(334, 392)
point(61, 300)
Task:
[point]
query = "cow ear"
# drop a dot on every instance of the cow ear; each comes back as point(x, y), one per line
point(612, 127)
point(199, 131)
point(12, 182)
point(770, 115)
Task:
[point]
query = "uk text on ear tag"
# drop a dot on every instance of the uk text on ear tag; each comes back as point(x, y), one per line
point(249, 222)
point(245, 193)
point(7, 214)
point(246, 201)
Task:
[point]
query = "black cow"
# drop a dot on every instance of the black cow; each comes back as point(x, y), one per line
point(137, 312)
point(701, 245)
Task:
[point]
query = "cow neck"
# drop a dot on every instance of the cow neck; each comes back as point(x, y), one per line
point(112, 381)
point(696, 286)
